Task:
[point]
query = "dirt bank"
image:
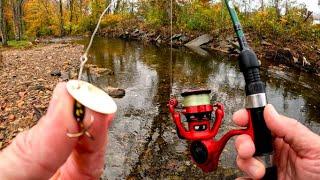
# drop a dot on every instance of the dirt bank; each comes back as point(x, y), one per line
point(27, 80)
point(304, 56)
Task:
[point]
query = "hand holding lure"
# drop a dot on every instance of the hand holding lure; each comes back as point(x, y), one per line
point(87, 95)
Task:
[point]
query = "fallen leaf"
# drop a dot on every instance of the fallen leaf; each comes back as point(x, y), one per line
point(11, 117)
point(22, 94)
point(20, 104)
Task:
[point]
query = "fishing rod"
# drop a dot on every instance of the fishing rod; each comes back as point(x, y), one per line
point(256, 98)
point(205, 119)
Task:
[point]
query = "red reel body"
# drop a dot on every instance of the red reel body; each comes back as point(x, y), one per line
point(202, 129)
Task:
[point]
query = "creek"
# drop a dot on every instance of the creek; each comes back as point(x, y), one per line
point(143, 143)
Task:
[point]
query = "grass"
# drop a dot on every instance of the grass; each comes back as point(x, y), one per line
point(19, 44)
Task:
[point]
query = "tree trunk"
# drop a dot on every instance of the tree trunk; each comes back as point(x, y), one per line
point(61, 18)
point(262, 5)
point(71, 16)
point(20, 20)
point(17, 18)
point(276, 5)
point(3, 27)
point(287, 7)
point(117, 7)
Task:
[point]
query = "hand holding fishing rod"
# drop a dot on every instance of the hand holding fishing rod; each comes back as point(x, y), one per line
point(256, 98)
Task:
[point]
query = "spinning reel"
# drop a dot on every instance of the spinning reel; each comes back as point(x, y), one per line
point(203, 127)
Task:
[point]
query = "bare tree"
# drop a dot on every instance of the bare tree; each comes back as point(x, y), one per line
point(3, 26)
point(287, 7)
point(262, 5)
point(277, 7)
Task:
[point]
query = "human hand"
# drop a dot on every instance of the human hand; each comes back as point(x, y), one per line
point(45, 151)
point(297, 149)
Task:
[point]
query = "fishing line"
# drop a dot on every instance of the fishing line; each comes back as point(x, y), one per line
point(171, 46)
point(84, 57)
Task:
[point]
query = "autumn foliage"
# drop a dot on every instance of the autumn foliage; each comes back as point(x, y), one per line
point(28, 19)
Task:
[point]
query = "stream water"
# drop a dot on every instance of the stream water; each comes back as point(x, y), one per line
point(142, 139)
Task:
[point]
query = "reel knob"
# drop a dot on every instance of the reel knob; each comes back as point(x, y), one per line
point(199, 152)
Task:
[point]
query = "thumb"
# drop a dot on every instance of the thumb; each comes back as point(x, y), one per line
point(39, 152)
point(299, 137)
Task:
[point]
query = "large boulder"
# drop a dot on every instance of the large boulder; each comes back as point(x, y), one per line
point(204, 39)
point(285, 56)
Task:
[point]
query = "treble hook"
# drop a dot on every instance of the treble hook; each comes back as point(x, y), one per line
point(79, 112)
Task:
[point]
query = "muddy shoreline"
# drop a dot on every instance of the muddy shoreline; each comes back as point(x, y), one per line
point(304, 57)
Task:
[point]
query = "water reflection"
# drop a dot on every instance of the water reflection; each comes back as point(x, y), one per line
point(142, 139)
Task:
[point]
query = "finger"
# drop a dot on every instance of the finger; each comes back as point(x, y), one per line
point(299, 137)
point(241, 117)
point(243, 178)
point(254, 168)
point(244, 146)
point(87, 160)
point(39, 152)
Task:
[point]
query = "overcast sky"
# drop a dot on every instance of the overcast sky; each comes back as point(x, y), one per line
point(312, 5)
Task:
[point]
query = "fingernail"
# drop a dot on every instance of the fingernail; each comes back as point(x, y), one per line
point(253, 170)
point(273, 112)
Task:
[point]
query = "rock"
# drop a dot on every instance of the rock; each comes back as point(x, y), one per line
point(135, 34)
point(188, 163)
point(55, 73)
point(65, 76)
point(158, 37)
point(159, 41)
point(305, 62)
point(39, 87)
point(199, 51)
point(184, 38)
point(115, 92)
point(285, 55)
point(200, 40)
point(176, 36)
